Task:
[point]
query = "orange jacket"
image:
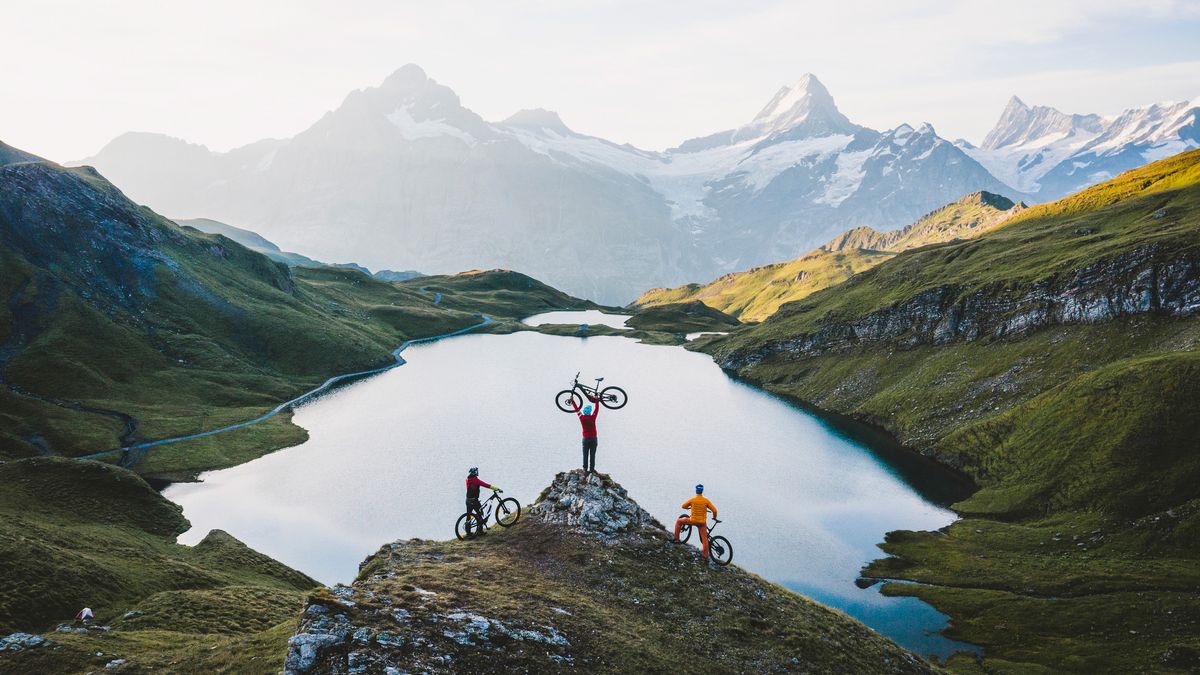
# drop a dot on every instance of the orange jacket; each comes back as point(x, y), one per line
point(700, 507)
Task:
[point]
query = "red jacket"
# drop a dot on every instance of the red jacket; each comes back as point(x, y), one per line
point(588, 422)
point(473, 485)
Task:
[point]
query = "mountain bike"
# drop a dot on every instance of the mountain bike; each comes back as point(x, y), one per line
point(507, 512)
point(571, 400)
point(718, 547)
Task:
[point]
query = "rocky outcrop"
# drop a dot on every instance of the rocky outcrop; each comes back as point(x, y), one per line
point(593, 504)
point(1143, 280)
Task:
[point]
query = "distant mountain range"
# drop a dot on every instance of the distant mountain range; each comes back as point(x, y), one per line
point(1050, 154)
point(402, 175)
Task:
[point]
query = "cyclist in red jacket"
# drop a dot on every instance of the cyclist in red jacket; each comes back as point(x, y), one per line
point(473, 505)
point(587, 420)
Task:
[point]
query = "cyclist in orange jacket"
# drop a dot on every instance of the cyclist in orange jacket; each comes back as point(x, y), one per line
point(700, 506)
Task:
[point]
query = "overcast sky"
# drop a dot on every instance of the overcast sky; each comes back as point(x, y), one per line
point(223, 73)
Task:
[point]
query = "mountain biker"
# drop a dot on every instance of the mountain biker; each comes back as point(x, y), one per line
point(473, 505)
point(700, 506)
point(587, 420)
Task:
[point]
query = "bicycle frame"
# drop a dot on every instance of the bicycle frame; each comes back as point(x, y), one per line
point(591, 392)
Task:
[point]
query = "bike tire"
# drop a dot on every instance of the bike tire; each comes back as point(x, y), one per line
point(564, 398)
point(619, 398)
point(508, 512)
point(721, 550)
point(466, 527)
point(685, 532)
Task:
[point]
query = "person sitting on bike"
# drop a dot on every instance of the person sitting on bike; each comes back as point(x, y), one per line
point(473, 505)
point(587, 420)
point(700, 506)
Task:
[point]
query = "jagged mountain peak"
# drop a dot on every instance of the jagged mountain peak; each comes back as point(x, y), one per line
point(1020, 124)
point(1015, 103)
point(805, 108)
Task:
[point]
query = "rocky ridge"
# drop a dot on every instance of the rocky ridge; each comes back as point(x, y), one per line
point(1144, 280)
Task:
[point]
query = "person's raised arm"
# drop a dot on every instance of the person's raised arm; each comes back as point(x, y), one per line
point(713, 507)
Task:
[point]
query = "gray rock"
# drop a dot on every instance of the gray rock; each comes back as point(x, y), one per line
point(304, 648)
point(20, 641)
point(593, 504)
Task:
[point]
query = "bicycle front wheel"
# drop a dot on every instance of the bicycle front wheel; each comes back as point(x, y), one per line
point(613, 398)
point(467, 526)
point(721, 550)
point(508, 512)
point(568, 400)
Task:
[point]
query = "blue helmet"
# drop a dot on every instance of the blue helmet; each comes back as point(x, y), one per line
point(699, 488)
point(587, 410)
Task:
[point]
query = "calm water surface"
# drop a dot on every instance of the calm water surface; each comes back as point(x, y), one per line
point(803, 503)
point(591, 317)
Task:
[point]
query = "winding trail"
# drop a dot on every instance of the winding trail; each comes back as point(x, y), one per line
point(134, 453)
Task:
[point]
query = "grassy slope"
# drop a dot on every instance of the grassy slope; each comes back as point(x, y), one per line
point(1082, 549)
point(758, 293)
point(75, 534)
point(684, 317)
point(186, 331)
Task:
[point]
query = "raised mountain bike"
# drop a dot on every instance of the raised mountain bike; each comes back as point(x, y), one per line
point(718, 547)
point(571, 400)
point(507, 511)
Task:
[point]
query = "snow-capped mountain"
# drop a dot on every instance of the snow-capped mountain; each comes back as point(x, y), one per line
point(402, 175)
point(1048, 153)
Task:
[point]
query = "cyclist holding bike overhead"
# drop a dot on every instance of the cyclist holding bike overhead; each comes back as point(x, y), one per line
point(473, 505)
point(587, 420)
point(700, 506)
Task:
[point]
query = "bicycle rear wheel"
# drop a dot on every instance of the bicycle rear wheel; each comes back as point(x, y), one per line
point(467, 526)
point(565, 398)
point(613, 398)
point(721, 550)
point(508, 512)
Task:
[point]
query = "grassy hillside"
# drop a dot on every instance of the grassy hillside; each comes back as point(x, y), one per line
point(585, 582)
point(683, 317)
point(78, 533)
point(1056, 360)
point(119, 326)
point(756, 294)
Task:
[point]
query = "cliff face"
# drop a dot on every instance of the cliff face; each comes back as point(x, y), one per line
point(587, 581)
point(1149, 279)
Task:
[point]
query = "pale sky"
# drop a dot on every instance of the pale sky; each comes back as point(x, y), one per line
point(222, 73)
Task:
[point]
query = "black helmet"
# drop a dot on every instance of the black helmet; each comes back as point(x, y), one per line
point(473, 471)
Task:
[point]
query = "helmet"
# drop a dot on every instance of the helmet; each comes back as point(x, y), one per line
point(587, 410)
point(473, 471)
point(699, 488)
